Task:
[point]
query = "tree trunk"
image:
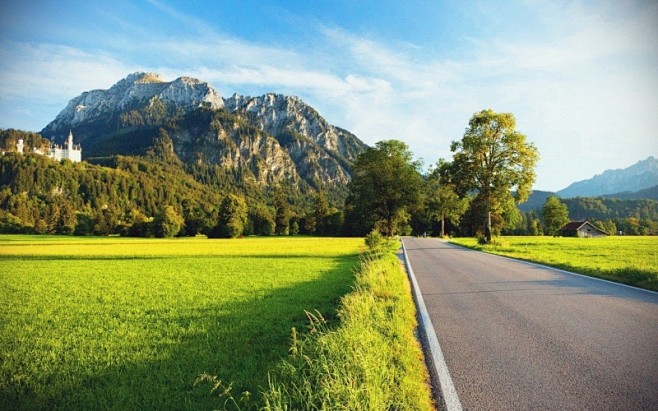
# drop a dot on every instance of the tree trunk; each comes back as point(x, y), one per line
point(443, 222)
point(487, 227)
point(390, 226)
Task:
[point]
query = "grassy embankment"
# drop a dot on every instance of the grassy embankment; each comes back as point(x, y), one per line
point(371, 361)
point(116, 323)
point(629, 260)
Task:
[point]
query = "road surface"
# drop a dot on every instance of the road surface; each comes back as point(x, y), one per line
point(517, 336)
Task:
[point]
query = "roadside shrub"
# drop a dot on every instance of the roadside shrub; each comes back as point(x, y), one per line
point(374, 240)
point(495, 242)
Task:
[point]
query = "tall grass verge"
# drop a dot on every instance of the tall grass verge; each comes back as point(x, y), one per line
point(370, 361)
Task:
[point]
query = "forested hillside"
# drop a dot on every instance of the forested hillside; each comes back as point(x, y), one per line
point(142, 195)
point(44, 196)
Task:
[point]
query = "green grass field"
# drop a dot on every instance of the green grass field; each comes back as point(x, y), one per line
point(629, 260)
point(117, 323)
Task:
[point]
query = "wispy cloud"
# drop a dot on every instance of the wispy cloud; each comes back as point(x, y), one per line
point(52, 71)
point(38, 80)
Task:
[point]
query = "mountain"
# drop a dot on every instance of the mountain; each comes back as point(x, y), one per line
point(639, 176)
point(139, 90)
point(292, 121)
point(257, 141)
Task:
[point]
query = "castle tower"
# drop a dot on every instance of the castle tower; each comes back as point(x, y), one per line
point(69, 143)
point(19, 146)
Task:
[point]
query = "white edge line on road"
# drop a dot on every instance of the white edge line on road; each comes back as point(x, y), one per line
point(548, 267)
point(447, 387)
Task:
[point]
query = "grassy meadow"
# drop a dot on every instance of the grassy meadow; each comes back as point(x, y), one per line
point(629, 260)
point(122, 323)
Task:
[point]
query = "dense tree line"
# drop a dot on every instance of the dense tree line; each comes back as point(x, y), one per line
point(477, 193)
point(9, 138)
point(155, 194)
point(613, 215)
point(40, 195)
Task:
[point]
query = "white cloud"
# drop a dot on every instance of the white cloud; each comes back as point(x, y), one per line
point(54, 71)
point(38, 80)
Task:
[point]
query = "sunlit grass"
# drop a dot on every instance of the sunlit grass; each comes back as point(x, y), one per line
point(370, 361)
point(629, 260)
point(116, 323)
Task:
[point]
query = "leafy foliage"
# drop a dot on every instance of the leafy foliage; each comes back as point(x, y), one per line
point(283, 214)
point(232, 218)
point(385, 182)
point(167, 223)
point(9, 138)
point(491, 160)
point(374, 240)
point(44, 196)
point(556, 215)
point(442, 200)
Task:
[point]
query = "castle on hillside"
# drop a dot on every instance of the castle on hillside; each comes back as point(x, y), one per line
point(69, 152)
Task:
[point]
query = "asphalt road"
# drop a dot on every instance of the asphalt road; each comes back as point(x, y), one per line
point(517, 336)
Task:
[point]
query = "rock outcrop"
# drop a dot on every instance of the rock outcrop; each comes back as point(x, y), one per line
point(136, 90)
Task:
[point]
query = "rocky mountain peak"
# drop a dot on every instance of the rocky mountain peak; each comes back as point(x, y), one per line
point(283, 116)
point(135, 91)
point(141, 77)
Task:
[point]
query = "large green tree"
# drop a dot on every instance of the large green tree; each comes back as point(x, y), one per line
point(556, 215)
point(282, 214)
point(492, 160)
point(262, 220)
point(232, 217)
point(385, 181)
point(444, 203)
point(167, 223)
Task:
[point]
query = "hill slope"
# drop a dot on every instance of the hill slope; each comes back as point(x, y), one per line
point(39, 195)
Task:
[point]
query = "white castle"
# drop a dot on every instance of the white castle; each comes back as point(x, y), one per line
point(56, 152)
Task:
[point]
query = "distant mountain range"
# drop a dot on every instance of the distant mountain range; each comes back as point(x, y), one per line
point(639, 181)
point(640, 176)
point(258, 141)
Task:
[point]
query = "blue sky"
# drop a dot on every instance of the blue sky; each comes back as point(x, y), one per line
point(581, 77)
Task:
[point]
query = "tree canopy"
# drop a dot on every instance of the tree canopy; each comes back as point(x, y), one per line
point(385, 181)
point(556, 215)
point(129, 195)
point(491, 160)
point(442, 201)
point(232, 217)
